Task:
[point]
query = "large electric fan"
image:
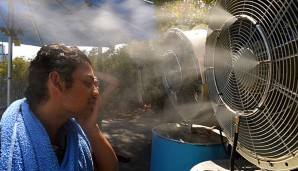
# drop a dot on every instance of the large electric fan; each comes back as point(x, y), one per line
point(183, 55)
point(252, 74)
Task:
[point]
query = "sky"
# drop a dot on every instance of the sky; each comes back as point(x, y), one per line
point(29, 52)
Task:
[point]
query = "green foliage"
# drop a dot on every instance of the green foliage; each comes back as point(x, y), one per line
point(182, 14)
point(3, 69)
point(93, 56)
point(115, 61)
point(149, 72)
point(138, 70)
point(3, 83)
point(120, 63)
point(19, 79)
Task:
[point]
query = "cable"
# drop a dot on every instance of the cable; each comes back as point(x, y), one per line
point(222, 142)
point(233, 152)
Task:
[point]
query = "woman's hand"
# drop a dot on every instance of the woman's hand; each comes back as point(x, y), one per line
point(104, 157)
point(90, 122)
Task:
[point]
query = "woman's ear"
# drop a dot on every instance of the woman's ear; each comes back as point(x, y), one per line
point(55, 81)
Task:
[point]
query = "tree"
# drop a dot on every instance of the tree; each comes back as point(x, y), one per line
point(184, 14)
point(93, 56)
point(19, 79)
point(3, 82)
point(117, 62)
point(149, 72)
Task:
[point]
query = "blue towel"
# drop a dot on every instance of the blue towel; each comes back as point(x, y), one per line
point(25, 144)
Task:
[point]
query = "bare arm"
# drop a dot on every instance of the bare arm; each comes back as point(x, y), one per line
point(108, 93)
point(104, 157)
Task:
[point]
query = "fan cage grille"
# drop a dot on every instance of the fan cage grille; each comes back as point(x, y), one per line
point(181, 73)
point(254, 63)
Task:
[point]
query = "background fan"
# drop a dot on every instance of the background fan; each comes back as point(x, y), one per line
point(183, 56)
point(182, 140)
point(252, 72)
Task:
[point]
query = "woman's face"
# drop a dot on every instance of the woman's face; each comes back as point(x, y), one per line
point(80, 98)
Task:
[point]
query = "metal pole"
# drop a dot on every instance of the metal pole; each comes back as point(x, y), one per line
point(10, 39)
point(9, 73)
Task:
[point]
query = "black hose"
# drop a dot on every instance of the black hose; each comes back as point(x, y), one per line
point(223, 143)
point(233, 152)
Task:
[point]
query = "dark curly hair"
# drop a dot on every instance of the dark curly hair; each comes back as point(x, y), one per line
point(52, 57)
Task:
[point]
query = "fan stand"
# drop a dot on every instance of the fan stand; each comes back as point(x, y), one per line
point(224, 165)
point(227, 165)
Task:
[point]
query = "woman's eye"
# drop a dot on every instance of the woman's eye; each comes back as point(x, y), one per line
point(88, 84)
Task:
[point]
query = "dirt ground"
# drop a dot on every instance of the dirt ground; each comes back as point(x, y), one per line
point(130, 133)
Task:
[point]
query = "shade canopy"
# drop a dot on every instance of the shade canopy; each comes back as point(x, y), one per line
point(94, 23)
point(77, 22)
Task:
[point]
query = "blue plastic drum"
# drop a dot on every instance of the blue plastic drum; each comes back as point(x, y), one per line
point(177, 148)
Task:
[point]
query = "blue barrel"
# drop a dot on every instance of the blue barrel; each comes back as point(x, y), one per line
point(177, 148)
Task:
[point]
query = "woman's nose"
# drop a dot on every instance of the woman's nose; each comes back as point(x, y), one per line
point(95, 91)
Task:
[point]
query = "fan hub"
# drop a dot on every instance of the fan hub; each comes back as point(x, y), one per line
point(249, 77)
point(244, 65)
